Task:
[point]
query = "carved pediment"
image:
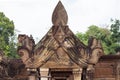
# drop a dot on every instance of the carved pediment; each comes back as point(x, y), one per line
point(59, 47)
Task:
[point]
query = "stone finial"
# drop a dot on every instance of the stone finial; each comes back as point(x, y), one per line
point(59, 15)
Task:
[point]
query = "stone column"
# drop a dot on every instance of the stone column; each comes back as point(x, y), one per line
point(44, 73)
point(77, 74)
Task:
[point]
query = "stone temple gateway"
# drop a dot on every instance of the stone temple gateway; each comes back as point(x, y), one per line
point(59, 55)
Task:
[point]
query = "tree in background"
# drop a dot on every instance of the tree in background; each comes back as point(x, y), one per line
point(103, 34)
point(82, 37)
point(115, 29)
point(7, 43)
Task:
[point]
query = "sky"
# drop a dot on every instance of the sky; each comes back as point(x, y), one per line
point(34, 16)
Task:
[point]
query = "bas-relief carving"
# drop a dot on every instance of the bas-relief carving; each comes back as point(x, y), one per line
point(59, 48)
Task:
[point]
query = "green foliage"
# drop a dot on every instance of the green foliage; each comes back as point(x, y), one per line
point(98, 32)
point(82, 37)
point(105, 35)
point(7, 43)
point(93, 31)
point(115, 29)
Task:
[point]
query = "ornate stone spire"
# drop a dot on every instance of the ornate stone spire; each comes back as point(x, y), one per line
point(59, 15)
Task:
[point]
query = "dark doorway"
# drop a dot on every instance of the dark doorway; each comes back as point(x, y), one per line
point(60, 74)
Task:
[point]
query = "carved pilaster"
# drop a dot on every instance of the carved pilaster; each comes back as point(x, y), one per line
point(77, 74)
point(44, 73)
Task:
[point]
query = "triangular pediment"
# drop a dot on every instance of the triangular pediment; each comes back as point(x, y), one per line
point(54, 50)
point(59, 47)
